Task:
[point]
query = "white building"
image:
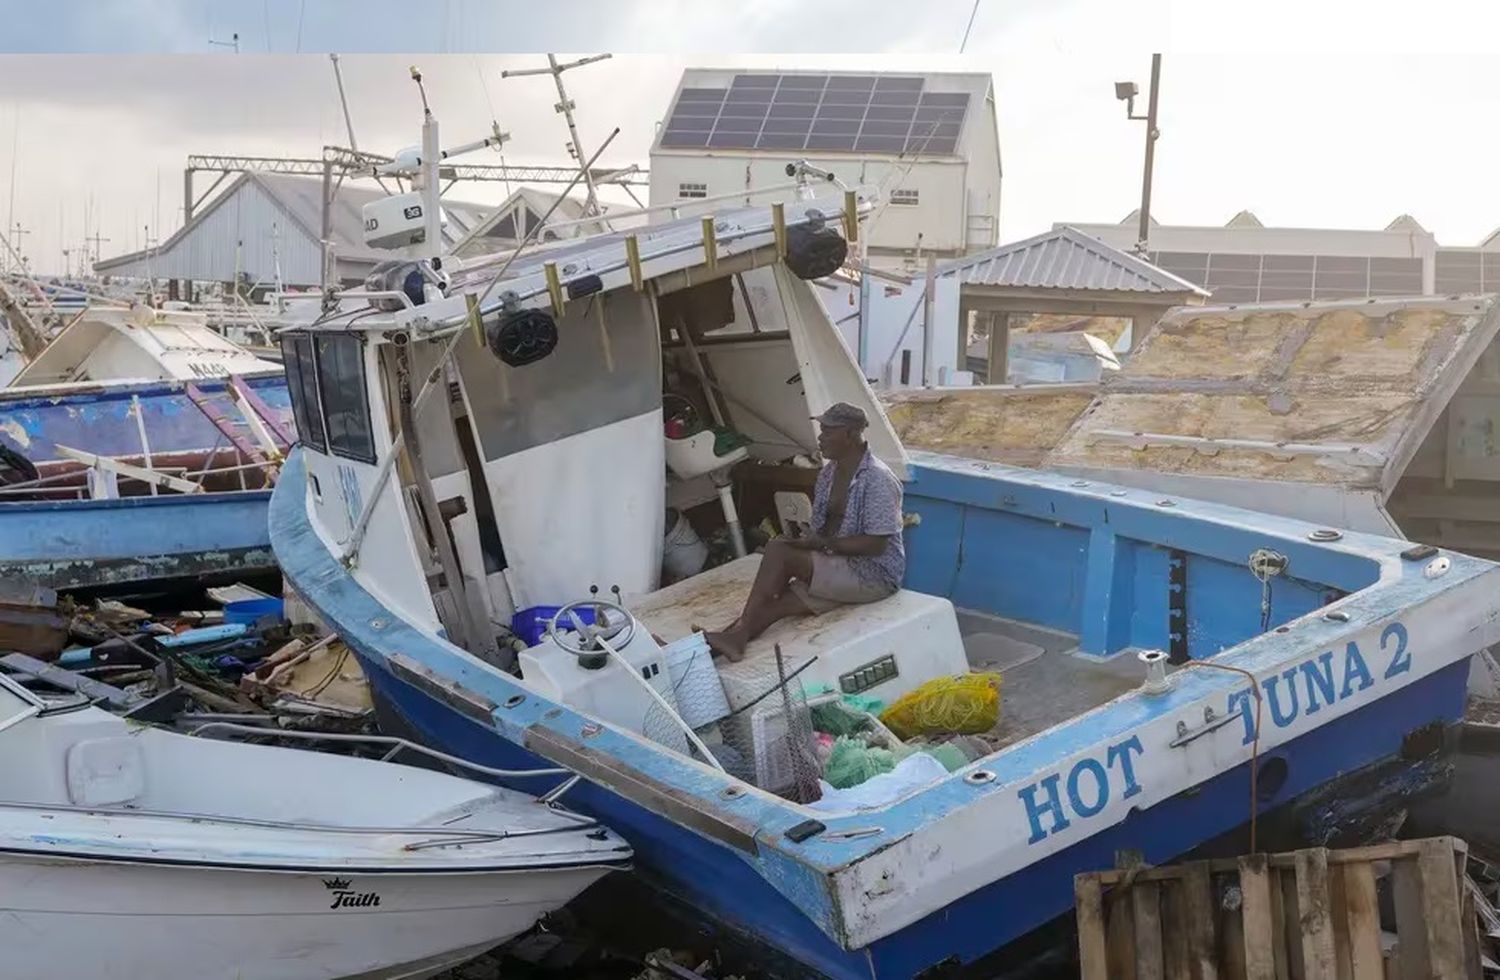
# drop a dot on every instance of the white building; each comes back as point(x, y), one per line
point(518, 216)
point(267, 229)
point(1246, 262)
point(930, 140)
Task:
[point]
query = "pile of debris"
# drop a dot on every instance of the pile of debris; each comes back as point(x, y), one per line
point(240, 663)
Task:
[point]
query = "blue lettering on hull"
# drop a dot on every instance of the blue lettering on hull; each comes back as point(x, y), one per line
point(1055, 801)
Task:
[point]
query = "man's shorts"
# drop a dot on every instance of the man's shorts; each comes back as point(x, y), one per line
point(835, 583)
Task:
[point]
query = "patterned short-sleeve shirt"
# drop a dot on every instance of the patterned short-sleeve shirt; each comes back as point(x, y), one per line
point(873, 507)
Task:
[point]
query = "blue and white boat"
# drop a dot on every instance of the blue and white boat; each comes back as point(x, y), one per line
point(492, 446)
point(117, 465)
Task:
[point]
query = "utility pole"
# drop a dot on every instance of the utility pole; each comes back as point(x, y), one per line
point(566, 106)
point(96, 240)
point(1126, 92)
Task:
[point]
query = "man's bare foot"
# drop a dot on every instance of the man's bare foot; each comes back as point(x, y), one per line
point(730, 644)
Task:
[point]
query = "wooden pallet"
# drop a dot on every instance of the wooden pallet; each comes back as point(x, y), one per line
point(1305, 915)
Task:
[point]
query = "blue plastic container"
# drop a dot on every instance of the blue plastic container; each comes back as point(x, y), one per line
point(251, 611)
point(531, 624)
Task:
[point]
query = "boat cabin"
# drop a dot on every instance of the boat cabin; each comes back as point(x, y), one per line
point(663, 438)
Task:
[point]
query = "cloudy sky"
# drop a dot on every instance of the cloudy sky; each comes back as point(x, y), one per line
point(1311, 113)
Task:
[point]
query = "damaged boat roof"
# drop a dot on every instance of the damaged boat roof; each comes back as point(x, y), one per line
point(1336, 395)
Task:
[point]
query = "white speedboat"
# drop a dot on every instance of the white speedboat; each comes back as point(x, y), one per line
point(129, 851)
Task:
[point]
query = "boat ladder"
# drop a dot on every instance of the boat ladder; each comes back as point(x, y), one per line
point(270, 440)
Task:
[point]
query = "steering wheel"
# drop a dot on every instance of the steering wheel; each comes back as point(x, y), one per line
point(585, 637)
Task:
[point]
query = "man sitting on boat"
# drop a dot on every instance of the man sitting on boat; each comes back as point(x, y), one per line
point(856, 554)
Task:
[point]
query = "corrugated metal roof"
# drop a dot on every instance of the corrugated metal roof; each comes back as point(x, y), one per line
point(1066, 258)
point(300, 200)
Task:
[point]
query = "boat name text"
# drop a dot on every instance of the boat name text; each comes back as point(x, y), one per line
point(1053, 802)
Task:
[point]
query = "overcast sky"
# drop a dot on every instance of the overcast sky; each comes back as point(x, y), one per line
point(1311, 113)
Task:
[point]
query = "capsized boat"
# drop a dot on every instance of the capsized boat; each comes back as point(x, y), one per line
point(1373, 414)
point(1160, 657)
point(132, 851)
point(139, 448)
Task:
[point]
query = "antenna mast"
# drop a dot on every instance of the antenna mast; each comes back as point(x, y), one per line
point(566, 106)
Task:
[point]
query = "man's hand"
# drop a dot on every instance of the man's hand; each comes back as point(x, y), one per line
point(812, 542)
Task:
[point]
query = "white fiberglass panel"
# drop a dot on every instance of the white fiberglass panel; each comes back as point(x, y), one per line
point(828, 371)
point(588, 509)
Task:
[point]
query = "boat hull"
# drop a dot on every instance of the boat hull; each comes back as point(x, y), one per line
point(133, 541)
point(67, 918)
point(709, 877)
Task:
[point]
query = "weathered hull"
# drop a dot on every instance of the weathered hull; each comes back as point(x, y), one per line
point(67, 918)
point(101, 419)
point(960, 869)
point(75, 544)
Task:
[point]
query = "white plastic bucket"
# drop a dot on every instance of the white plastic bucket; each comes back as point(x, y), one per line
point(695, 681)
point(683, 552)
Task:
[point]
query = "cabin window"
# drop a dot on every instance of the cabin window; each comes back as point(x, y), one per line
point(692, 189)
point(904, 197)
point(346, 405)
point(302, 385)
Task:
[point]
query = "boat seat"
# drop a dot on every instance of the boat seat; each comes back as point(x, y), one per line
point(882, 649)
point(105, 771)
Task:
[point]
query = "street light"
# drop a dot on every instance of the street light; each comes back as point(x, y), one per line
point(1126, 93)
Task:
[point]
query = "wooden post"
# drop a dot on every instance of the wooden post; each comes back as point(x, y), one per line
point(1315, 915)
point(1255, 889)
point(1088, 896)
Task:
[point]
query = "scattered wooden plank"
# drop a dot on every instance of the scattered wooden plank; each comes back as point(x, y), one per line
point(1198, 921)
point(1174, 939)
point(1305, 915)
point(154, 477)
point(1121, 936)
point(1088, 898)
point(1338, 902)
point(1443, 921)
point(1255, 892)
point(1314, 914)
point(1366, 961)
point(1411, 949)
point(67, 680)
point(1283, 925)
point(1146, 906)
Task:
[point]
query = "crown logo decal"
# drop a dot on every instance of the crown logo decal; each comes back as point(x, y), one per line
point(336, 884)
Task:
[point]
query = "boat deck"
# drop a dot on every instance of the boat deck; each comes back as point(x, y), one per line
point(1043, 681)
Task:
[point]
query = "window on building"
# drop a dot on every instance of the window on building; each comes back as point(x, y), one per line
point(346, 406)
point(504, 228)
point(692, 189)
point(302, 385)
point(904, 197)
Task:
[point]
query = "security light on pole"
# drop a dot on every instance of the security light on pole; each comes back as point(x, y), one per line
point(1126, 93)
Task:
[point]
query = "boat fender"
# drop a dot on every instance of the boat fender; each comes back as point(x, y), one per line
point(521, 336)
point(814, 250)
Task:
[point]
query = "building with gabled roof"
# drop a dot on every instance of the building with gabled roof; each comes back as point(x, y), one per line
point(267, 228)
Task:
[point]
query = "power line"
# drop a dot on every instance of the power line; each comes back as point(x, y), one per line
point(301, 13)
point(965, 42)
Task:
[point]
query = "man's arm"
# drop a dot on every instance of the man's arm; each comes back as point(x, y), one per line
point(853, 545)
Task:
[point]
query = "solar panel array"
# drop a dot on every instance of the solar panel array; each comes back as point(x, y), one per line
point(842, 113)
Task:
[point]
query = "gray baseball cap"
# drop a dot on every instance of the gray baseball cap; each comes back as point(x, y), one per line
point(845, 415)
